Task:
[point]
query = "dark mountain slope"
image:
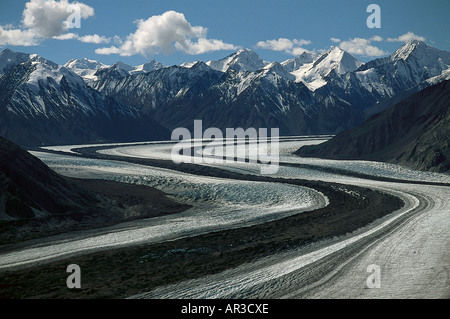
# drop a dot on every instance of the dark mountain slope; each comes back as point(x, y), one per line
point(414, 132)
point(28, 188)
point(37, 202)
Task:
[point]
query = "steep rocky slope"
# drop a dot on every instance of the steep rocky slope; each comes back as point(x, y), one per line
point(414, 132)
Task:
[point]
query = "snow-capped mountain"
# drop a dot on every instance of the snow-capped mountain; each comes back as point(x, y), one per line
point(306, 57)
point(127, 69)
point(243, 60)
point(311, 94)
point(150, 90)
point(151, 66)
point(406, 70)
point(84, 64)
point(188, 64)
point(315, 74)
point(42, 102)
point(87, 69)
point(9, 59)
point(228, 94)
point(410, 65)
point(278, 69)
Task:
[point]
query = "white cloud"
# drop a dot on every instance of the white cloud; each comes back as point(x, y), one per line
point(294, 47)
point(297, 51)
point(362, 47)
point(376, 38)
point(406, 37)
point(47, 17)
point(66, 36)
point(107, 51)
point(335, 40)
point(44, 19)
point(203, 45)
point(94, 38)
point(164, 34)
point(17, 37)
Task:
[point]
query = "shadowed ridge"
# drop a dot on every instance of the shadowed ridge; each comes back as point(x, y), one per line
point(413, 132)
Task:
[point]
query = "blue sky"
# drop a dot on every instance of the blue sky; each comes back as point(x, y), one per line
point(176, 31)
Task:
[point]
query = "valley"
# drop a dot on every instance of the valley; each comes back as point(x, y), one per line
point(300, 231)
point(355, 188)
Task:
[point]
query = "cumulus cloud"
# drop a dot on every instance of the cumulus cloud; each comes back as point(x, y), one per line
point(11, 36)
point(406, 37)
point(47, 17)
point(44, 19)
point(167, 33)
point(335, 40)
point(362, 47)
point(294, 47)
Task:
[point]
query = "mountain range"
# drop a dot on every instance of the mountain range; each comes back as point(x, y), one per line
point(43, 103)
point(85, 101)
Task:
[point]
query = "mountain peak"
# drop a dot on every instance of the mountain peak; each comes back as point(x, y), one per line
point(335, 57)
point(154, 62)
point(7, 51)
point(277, 68)
point(337, 53)
point(244, 52)
point(417, 53)
point(153, 65)
point(200, 66)
point(314, 75)
point(188, 65)
point(122, 66)
point(43, 68)
point(410, 47)
point(297, 62)
point(84, 63)
point(9, 58)
point(415, 43)
point(335, 49)
point(242, 60)
point(342, 61)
